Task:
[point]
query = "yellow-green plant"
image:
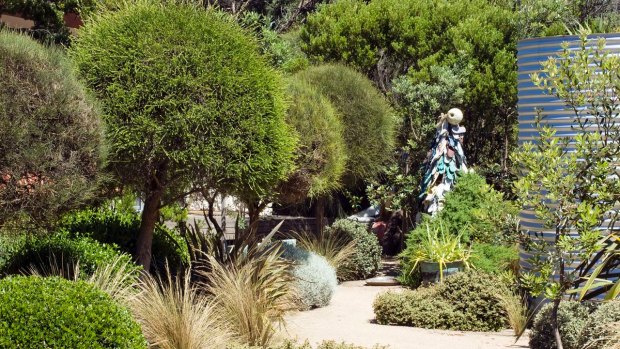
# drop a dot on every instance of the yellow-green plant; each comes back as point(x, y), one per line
point(515, 306)
point(251, 293)
point(175, 315)
point(438, 246)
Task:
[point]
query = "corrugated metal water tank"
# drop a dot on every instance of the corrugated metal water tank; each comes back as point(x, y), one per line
point(531, 53)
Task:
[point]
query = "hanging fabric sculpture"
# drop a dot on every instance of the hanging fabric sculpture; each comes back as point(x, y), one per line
point(445, 161)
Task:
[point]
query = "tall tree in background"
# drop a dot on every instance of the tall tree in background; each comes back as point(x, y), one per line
point(187, 100)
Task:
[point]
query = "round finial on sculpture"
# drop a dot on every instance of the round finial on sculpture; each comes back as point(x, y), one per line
point(455, 116)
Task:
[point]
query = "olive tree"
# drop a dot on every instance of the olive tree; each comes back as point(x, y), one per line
point(51, 148)
point(187, 99)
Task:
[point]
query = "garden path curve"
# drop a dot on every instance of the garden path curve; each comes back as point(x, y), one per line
point(349, 318)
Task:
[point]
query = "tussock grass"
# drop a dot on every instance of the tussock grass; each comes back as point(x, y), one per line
point(174, 315)
point(336, 248)
point(251, 294)
point(517, 313)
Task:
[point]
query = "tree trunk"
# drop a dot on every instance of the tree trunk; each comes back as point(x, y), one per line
point(150, 216)
point(555, 325)
point(253, 213)
point(319, 215)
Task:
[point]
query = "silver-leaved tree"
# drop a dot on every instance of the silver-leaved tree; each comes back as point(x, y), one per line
point(571, 183)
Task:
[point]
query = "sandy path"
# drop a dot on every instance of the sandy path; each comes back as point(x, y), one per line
point(348, 318)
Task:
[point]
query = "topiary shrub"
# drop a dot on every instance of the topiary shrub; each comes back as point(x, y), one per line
point(369, 122)
point(51, 147)
point(321, 154)
point(572, 317)
point(315, 278)
point(366, 260)
point(598, 331)
point(467, 301)
point(121, 228)
point(60, 253)
point(38, 312)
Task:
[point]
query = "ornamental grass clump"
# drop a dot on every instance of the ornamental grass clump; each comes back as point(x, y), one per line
point(335, 248)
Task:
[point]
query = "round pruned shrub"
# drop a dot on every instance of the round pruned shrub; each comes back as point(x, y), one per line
point(366, 260)
point(38, 312)
point(467, 301)
point(121, 228)
point(598, 331)
point(50, 131)
point(321, 153)
point(315, 278)
point(369, 122)
point(572, 317)
point(60, 254)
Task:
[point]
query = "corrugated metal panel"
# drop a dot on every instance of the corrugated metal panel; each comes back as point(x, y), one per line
point(531, 53)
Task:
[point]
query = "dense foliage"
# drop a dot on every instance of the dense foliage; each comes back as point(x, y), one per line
point(368, 120)
point(599, 328)
point(315, 279)
point(321, 154)
point(466, 301)
point(180, 109)
point(388, 38)
point(494, 259)
point(366, 260)
point(120, 228)
point(60, 252)
point(51, 133)
point(40, 312)
point(572, 318)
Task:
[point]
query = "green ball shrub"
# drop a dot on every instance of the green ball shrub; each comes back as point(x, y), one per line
point(121, 229)
point(369, 122)
point(315, 278)
point(47, 253)
point(366, 261)
point(53, 312)
point(321, 153)
point(50, 131)
point(467, 301)
point(572, 318)
point(598, 331)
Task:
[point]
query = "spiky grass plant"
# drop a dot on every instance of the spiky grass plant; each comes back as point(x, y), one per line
point(336, 248)
point(517, 313)
point(251, 294)
point(174, 315)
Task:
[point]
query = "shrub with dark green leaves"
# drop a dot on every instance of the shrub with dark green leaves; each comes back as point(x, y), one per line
point(494, 259)
point(60, 252)
point(53, 312)
point(572, 318)
point(315, 279)
point(599, 330)
point(366, 260)
point(369, 122)
point(467, 301)
point(121, 228)
point(50, 131)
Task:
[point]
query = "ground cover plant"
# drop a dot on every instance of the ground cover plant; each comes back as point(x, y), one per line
point(38, 312)
point(466, 301)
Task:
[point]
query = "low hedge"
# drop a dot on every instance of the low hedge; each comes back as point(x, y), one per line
point(366, 261)
point(121, 228)
point(572, 318)
point(467, 301)
point(59, 250)
point(53, 312)
point(598, 331)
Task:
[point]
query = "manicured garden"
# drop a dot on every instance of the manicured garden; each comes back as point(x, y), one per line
point(143, 151)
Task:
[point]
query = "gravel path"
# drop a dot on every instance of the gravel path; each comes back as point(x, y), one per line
point(349, 318)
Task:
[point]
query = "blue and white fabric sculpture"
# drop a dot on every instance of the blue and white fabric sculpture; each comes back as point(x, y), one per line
point(445, 161)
